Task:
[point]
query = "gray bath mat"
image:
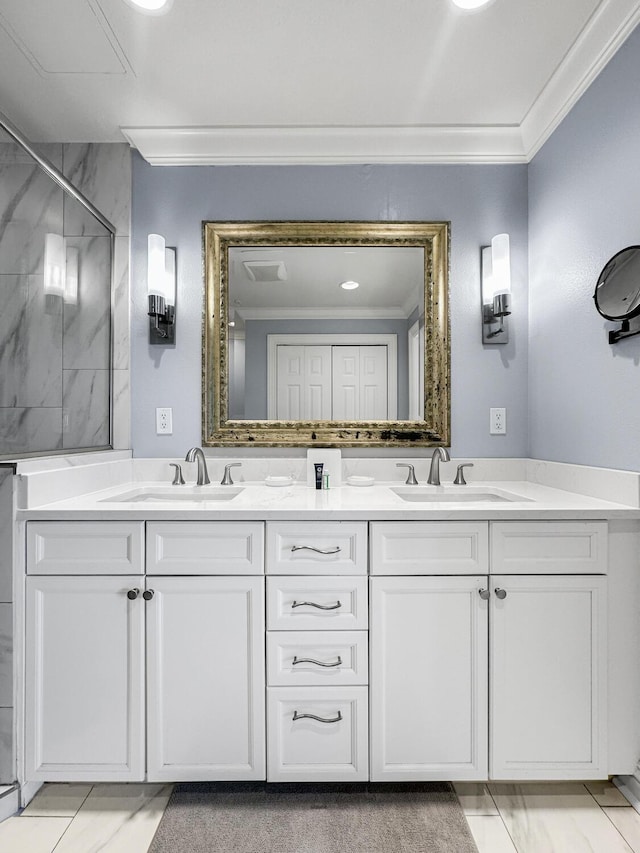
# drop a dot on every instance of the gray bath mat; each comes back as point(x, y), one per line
point(212, 817)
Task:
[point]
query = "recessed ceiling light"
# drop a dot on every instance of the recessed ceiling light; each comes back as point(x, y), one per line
point(349, 285)
point(470, 4)
point(152, 7)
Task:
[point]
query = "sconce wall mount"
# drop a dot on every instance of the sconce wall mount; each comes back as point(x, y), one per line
point(496, 290)
point(161, 285)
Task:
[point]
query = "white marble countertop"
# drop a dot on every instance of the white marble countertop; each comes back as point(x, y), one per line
point(257, 501)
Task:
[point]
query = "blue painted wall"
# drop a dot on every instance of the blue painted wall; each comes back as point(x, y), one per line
point(584, 191)
point(480, 201)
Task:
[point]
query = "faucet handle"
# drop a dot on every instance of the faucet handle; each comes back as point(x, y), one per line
point(226, 480)
point(411, 474)
point(178, 479)
point(460, 480)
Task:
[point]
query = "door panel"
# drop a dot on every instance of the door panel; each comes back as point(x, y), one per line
point(205, 678)
point(429, 674)
point(548, 688)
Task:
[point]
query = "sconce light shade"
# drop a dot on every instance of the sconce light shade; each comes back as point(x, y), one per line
point(170, 277)
point(501, 264)
point(496, 290)
point(488, 287)
point(155, 265)
point(55, 262)
point(161, 289)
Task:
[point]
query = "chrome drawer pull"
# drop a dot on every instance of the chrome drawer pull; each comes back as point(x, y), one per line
point(297, 660)
point(484, 594)
point(500, 593)
point(313, 604)
point(297, 716)
point(335, 550)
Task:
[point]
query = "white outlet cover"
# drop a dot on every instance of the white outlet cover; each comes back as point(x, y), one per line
point(164, 421)
point(497, 421)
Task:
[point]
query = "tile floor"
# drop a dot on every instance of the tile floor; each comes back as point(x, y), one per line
point(551, 817)
point(564, 817)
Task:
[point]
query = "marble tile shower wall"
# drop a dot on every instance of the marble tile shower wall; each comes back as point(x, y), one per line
point(54, 391)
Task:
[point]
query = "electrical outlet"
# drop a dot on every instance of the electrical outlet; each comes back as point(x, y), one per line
point(497, 421)
point(164, 421)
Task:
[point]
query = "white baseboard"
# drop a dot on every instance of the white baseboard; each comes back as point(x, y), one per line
point(28, 792)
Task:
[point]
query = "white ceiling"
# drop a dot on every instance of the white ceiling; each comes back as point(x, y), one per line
point(232, 81)
point(391, 282)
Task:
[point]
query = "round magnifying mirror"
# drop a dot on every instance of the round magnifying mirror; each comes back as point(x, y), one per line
point(617, 293)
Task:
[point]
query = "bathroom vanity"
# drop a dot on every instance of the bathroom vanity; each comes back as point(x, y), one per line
point(351, 635)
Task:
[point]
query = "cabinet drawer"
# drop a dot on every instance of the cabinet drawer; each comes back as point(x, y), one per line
point(85, 548)
point(316, 657)
point(429, 548)
point(313, 548)
point(307, 749)
point(549, 547)
point(312, 604)
point(205, 548)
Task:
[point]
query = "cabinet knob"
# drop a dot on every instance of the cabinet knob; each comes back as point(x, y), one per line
point(500, 593)
point(484, 594)
point(148, 594)
point(133, 594)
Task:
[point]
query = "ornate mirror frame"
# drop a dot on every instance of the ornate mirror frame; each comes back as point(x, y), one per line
point(218, 430)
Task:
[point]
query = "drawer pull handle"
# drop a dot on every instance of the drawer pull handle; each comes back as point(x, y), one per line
point(297, 716)
point(297, 660)
point(133, 594)
point(500, 593)
point(335, 550)
point(319, 606)
point(484, 594)
point(148, 594)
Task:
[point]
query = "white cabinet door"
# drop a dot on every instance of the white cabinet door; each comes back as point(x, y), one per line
point(205, 678)
point(548, 685)
point(429, 676)
point(84, 679)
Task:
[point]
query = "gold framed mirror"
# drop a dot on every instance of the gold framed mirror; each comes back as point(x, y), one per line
point(333, 334)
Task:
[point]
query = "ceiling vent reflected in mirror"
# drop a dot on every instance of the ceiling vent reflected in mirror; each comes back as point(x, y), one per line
point(265, 270)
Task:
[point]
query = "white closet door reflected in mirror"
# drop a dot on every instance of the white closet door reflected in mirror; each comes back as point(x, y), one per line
point(324, 377)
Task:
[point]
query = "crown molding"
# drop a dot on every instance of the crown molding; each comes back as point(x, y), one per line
point(297, 313)
point(605, 31)
point(321, 145)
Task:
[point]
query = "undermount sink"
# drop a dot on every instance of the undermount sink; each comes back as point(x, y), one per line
point(189, 494)
point(454, 494)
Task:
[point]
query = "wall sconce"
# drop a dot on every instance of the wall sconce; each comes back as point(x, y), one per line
point(161, 285)
point(496, 290)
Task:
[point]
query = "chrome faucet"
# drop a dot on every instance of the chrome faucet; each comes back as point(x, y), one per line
point(196, 455)
point(439, 454)
point(411, 473)
point(226, 480)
